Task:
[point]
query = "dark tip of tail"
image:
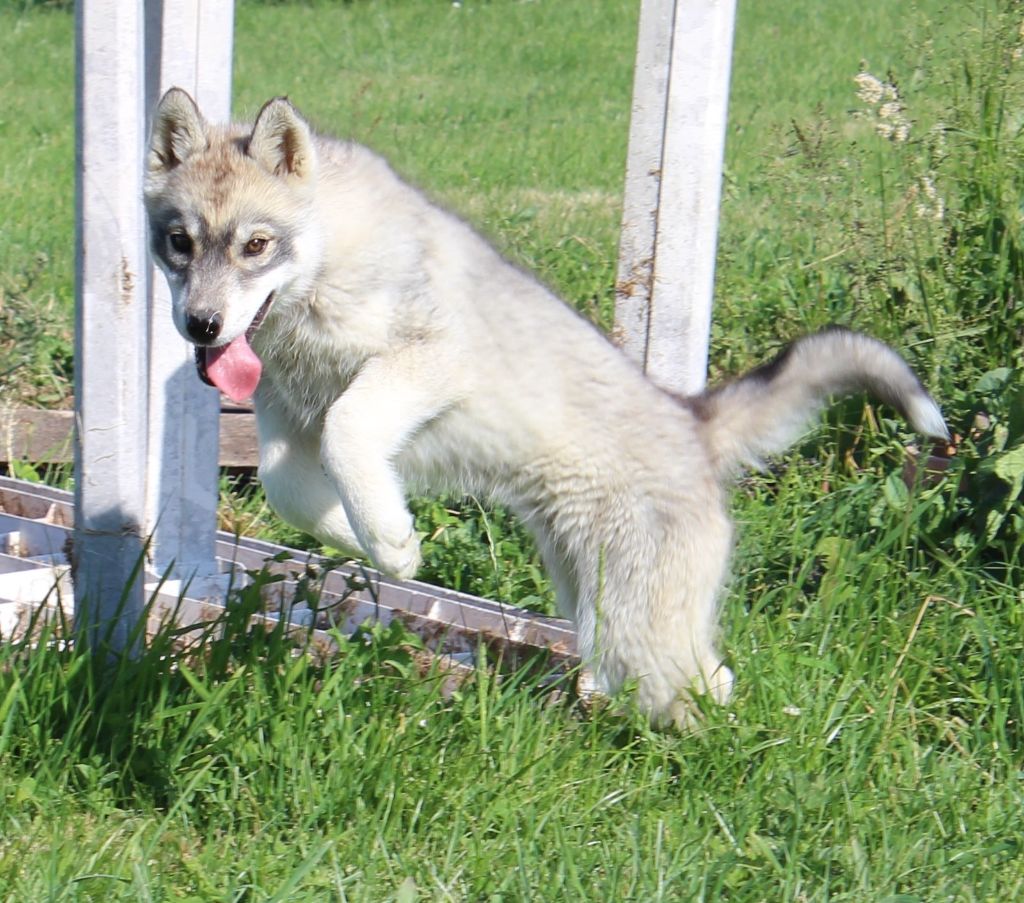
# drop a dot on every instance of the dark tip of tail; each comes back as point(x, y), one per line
point(767, 371)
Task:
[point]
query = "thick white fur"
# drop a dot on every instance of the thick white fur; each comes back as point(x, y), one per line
point(403, 353)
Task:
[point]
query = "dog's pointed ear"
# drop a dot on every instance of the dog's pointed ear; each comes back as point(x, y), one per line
point(179, 131)
point(281, 141)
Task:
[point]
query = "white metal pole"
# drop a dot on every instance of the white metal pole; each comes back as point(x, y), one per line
point(146, 446)
point(110, 321)
point(188, 44)
point(643, 177)
point(673, 186)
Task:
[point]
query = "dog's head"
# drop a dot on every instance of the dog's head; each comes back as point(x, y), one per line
point(232, 225)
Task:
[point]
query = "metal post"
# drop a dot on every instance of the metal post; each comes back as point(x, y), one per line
point(146, 439)
point(673, 185)
point(110, 321)
point(188, 44)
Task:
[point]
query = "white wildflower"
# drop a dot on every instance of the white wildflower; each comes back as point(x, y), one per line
point(794, 711)
point(890, 110)
point(869, 88)
point(930, 204)
point(890, 121)
point(892, 124)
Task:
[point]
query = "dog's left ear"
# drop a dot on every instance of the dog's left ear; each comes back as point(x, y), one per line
point(281, 141)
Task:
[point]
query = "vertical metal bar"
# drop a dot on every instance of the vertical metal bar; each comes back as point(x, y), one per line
point(188, 45)
point(643, 177)
point(674, 270)
point(110, 321)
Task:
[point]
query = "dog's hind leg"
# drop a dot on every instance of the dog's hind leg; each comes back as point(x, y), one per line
point(650, 621)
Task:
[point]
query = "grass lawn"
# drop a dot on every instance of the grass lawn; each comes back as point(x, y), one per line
point(873, 751)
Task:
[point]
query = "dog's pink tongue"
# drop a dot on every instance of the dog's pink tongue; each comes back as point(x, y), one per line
point(234, 368)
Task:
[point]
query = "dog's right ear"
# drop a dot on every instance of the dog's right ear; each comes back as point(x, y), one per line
point(179, 131)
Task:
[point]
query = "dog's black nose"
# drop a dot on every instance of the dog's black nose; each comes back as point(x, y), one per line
point(203, 330)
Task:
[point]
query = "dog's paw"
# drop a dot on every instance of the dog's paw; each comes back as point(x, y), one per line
point(401, 560)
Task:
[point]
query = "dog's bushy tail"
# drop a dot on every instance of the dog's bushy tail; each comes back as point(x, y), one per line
point(766, 410)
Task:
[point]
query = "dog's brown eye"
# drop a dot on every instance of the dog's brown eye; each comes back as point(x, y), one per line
point(256, 246)
point(180, 242)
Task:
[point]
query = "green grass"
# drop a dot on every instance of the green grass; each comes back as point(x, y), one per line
point(37, 186)
point(37, 129)
point(820, 218)
point(875, 761)
point(873, 751)
point(490, 106)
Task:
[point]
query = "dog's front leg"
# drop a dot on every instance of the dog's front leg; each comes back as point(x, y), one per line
point(363, 432)
point(295, 483)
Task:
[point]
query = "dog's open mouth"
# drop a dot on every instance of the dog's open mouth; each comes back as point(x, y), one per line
point(234, 368)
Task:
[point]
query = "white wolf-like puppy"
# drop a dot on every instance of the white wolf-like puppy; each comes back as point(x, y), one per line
point(389, 347)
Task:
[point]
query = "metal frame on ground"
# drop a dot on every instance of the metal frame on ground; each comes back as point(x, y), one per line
point(330, 597)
